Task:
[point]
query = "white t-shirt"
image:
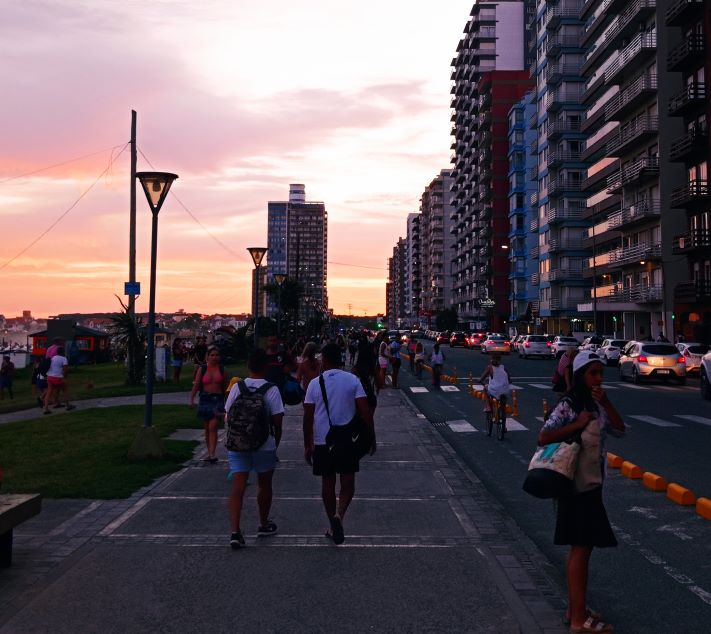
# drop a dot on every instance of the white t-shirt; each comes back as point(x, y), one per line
point(57, 365)
point(272, 402)
point(342, 389)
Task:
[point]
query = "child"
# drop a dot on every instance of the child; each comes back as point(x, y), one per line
point(499, 381)
point(437, 363)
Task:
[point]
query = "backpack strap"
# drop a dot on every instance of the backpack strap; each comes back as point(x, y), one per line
point(322, 383)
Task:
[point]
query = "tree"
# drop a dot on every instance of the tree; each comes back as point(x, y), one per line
point(447, 319)
point(128, 333)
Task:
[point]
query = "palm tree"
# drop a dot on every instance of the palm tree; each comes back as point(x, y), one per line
point(128, 332)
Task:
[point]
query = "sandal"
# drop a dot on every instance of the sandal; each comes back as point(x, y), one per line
point(593, 614)
point(592, 625)
point(337, 530)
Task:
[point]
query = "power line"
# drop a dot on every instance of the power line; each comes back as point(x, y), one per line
point(66, 212)
point(49, 167)
point(359, 266)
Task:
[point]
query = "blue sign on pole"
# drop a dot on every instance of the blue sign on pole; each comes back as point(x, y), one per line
point(131, 288)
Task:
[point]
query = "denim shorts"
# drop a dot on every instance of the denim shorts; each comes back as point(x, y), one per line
point(246, 461)
point(210, 406)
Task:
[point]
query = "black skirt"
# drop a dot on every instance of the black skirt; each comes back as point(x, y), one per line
point(582, 521)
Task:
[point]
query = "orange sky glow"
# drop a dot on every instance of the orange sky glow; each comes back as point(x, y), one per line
point(239, 99)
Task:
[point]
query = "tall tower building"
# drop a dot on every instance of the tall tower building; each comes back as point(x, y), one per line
point(298, 245)
point(413, 269)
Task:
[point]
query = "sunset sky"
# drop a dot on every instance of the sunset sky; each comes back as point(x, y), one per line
point(240, 98)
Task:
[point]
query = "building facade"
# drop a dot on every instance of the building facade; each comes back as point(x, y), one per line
point(298, 245)
point(413, 265)
point(396, 288)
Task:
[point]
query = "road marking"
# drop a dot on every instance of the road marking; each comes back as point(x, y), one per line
point(643, 511)
point(539, 418)
point(652, 420)
point(421, 416)
point(540, 386)
point(695, 419)
point(677, 531)
point(516, 387)
point(418, 390)
point(460, 426)
point(513, 425)
point(449, 388)
point(633, 387)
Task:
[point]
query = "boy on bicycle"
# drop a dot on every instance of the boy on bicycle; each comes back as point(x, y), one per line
point(498, 385)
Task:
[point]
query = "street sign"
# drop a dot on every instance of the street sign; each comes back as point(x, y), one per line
point(131, 288)
point(486, 302)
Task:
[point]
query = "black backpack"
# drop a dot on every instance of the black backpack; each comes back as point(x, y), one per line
point(44, 365)
point(248, 423)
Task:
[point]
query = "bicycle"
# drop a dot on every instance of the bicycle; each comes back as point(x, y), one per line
point(496, 415)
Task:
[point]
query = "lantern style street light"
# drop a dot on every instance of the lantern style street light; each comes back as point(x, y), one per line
point(257, 254)
point(156, 186)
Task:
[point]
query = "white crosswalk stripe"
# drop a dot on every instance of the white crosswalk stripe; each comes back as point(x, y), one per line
point(633, 387)
point(541, 386)
point(513, 425)
point(418, 390)
point(449, 388)
point(461, 426)
point(695, 419)
point(653, 420)
point(516, 387)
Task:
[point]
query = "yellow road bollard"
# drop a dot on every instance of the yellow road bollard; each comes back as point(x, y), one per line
point(545, 408)
point(514, 397)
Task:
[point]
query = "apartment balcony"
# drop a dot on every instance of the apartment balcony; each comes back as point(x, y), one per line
point(557, 14)
point(637, 53)
point(642, 252)
point(694, 193)
point(690, 98)
point(534, 225)
point(683, 11)
point(564, 244)
point(557, 215)
point(556, 44)
point(641, 211)
point(555, 72)
point(689, 51)
point(533, 252)
point(560, 97)
point(563, 304)
point(630, 97)
point(564, 184)
point(630, 136)
point(695, 143)
point(696, 292)
point(558, 157)
point(558, 128)
point(533, 148)
point(637, 294)
point(633, 174)
point(535, 279)
point(692, 241)
point(485, 213)
point(534, 199)
point(564, 275)
point(532, 173)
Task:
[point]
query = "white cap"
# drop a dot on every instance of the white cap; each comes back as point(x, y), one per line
point(583, 358)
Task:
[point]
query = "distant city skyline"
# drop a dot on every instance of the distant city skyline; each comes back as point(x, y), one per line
point(357, 108)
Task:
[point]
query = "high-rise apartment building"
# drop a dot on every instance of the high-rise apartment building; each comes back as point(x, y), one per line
point(413, 268)
point(688, 23)
point(396, 288)
point(494, 40)
point(298, 245)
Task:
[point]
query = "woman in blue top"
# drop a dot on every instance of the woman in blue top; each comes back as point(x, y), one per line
point(582, 520)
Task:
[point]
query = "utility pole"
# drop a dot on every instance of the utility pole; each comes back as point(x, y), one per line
point(132, 218)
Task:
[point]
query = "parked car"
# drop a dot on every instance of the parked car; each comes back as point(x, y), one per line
point(457, 339)
point(534, 346)
point(562, 344)
point(610, 350)
point(474, 340)
point(592, 343)
point(496, 343)
point(642, 359)
point(705, 376)
point(443, 337)
point(692, 353)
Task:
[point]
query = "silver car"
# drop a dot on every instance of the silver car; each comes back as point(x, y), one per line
point(641, 359)
point(692, 352)
point(534, 346)
point(496, 343)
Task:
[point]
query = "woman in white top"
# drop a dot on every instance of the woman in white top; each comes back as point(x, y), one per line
point(499, 382)
point(56, 381)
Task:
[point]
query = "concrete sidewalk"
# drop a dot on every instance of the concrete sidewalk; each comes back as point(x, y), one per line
point(427, 550)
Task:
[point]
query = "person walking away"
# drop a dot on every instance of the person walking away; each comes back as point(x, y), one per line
point(352, 348)
point(346, 396)
point(581, 520)
point(411, 347)
point(395, 360)
point(253, 404)
point(279, 363)
point(7, 373)
point(177, 357)
point(199, 354)
point(57, 381)
point(563, 376)
point(437, 363)
point(38, 380)
point(383, 360)
point(364, 369)
point(309, 367)
point(210, 384)
point(419, 357)
point(497, 383)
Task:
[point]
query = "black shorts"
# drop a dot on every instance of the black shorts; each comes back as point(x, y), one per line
point(325, 465)
point(395, 363)
point(582, 521)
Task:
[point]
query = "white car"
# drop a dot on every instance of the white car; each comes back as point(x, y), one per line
point(592, 343)
point(534, 346)
point(693, 353)
point(562, 344)
point(610, 349)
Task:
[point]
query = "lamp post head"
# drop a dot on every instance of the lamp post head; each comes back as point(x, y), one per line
point(279, 278)
point(156, 186)
point(257, 254)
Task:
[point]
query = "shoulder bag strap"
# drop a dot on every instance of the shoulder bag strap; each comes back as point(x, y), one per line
point(325, 397)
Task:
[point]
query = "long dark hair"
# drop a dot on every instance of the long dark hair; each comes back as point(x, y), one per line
point(579, 394)
point(365, 361)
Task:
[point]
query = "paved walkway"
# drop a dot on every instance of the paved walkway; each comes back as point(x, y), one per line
point(427, 550)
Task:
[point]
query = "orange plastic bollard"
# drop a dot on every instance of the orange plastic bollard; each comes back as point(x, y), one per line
point(514, 398)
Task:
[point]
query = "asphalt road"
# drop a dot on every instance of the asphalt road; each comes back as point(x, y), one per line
point(659, 579)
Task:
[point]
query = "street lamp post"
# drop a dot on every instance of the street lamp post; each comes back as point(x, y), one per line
point(156, 186)
point(279, 279)
point(257, 254)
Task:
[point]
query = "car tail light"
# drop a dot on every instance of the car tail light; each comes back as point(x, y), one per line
point(682, 360)
point(548, 343)
point(642, 359)
point(687, 353)
point(527, 345)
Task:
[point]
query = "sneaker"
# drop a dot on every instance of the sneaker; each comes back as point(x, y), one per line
point(236, 540)
point(270, 529)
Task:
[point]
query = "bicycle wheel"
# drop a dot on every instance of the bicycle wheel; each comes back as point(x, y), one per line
point(501, 419)
point(489, 422)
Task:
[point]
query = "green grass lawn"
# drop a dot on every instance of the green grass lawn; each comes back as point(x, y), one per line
point(99, 380)
point(83, 454)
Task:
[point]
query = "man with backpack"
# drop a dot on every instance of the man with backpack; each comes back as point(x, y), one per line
point(252, 434)
point(344, 397)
